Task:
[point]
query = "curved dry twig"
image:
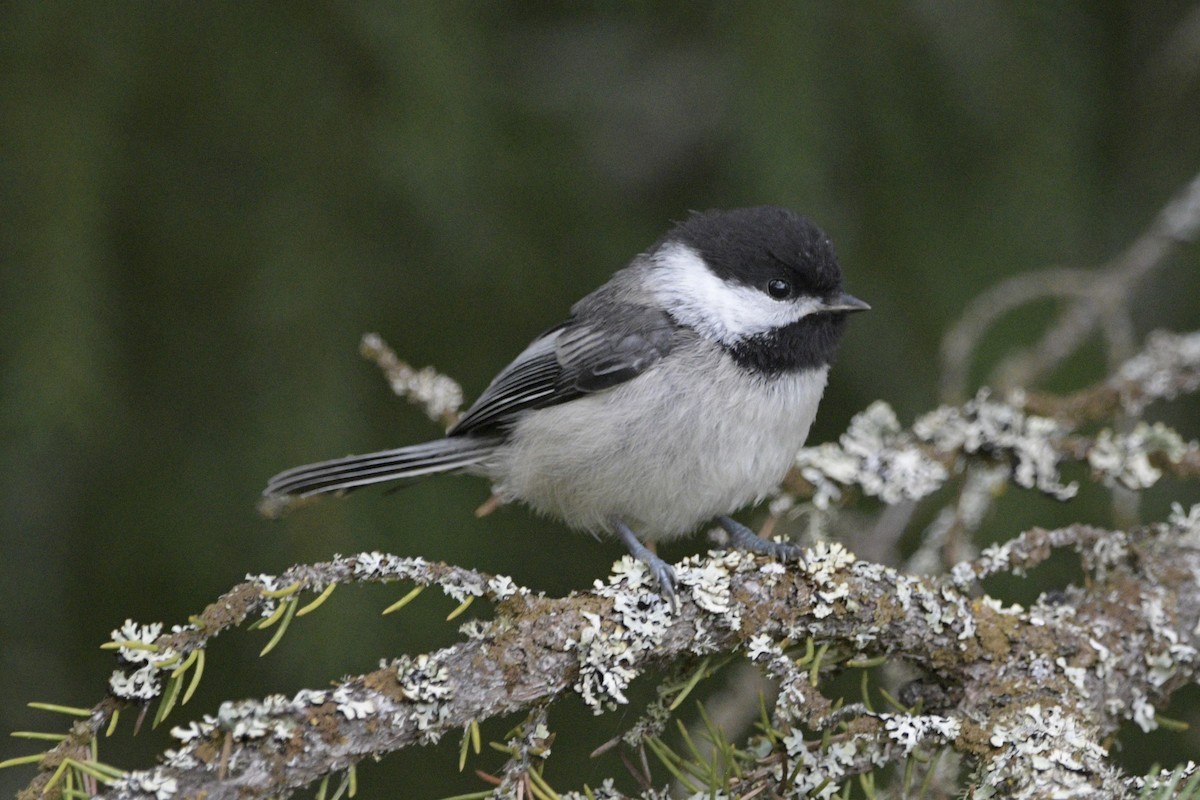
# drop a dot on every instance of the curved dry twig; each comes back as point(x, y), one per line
point(1101, 298)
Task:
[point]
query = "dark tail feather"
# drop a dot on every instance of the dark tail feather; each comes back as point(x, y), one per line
point(442, 455)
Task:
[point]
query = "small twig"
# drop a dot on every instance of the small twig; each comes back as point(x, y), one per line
point(962, 339)
point(1178, 223)
point(439, 395)
point(1098, 298)
point(1168, 366)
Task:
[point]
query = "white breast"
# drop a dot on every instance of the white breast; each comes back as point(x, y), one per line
point(660, 456)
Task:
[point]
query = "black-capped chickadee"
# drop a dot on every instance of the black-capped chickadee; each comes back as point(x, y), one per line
point(676, 393)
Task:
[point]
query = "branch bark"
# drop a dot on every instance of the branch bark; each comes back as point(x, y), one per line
point(1034, 692)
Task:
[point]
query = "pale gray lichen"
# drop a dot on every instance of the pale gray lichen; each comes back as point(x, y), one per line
point(651, 723)
point(916, 598)
point(459, 584)
point(986, 426)
point(257, 719)
point(762, 646)
point(275, 716)
point(195, 730)
point(819, 772)
point(1168, 366)
point(352, 707)
point(156, 781)
point(538, 738)
point(960, 612)
point(527, 750)
point(311, 697)
point(425, 682)
point(1041, 741)
point(826, 558)
point(628, 573)
point(910, 730)
point(874, 453)
point(642, 615)
point(503, 587)
point(1105, 554)
point(791, 704)
point(1051, 611)
point(1143, 714)
point(609, 652)
point(1165, 655)
point(476, 629)
point(136, 647)
point(772, 571)
point(605, 664)
point(377, 566)
point(180, 760)
point(877, 455)
point(1186, 521)
point(1041, 668)
point(439, 394)
point(373, 565)
point(708, 581)
point(267, 606)
point(962, 574)
point(1076, 675)
point(997, 558)
point(142, 684)
point(131, 633)
point(1125, 458)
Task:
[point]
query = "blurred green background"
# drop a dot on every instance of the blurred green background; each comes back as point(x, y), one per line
point(204, 205)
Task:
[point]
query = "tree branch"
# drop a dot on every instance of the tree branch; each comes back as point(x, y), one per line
point(1035, 691)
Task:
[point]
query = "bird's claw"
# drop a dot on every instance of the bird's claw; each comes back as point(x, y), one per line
point(743, 538)
point(663, 573)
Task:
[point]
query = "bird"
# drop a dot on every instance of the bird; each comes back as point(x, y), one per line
point(673, 395)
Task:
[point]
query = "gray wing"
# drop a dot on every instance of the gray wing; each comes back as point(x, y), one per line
point(579, 357)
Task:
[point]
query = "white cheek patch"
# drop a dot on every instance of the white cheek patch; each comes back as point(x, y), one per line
point(726, 312)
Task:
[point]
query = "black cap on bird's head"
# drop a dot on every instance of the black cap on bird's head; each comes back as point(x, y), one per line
point(756, 245)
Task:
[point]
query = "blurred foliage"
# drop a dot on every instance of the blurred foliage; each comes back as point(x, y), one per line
point(203, 205)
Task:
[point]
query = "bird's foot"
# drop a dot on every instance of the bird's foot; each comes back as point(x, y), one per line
point(743, 538)
point(661, 570)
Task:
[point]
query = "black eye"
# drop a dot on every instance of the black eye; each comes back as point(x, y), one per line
point(779, 289)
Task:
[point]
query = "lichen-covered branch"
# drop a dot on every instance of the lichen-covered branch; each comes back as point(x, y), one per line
point(883, 460)
point(1033, 692)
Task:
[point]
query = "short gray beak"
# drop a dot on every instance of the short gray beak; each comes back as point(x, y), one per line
point(845, 302)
